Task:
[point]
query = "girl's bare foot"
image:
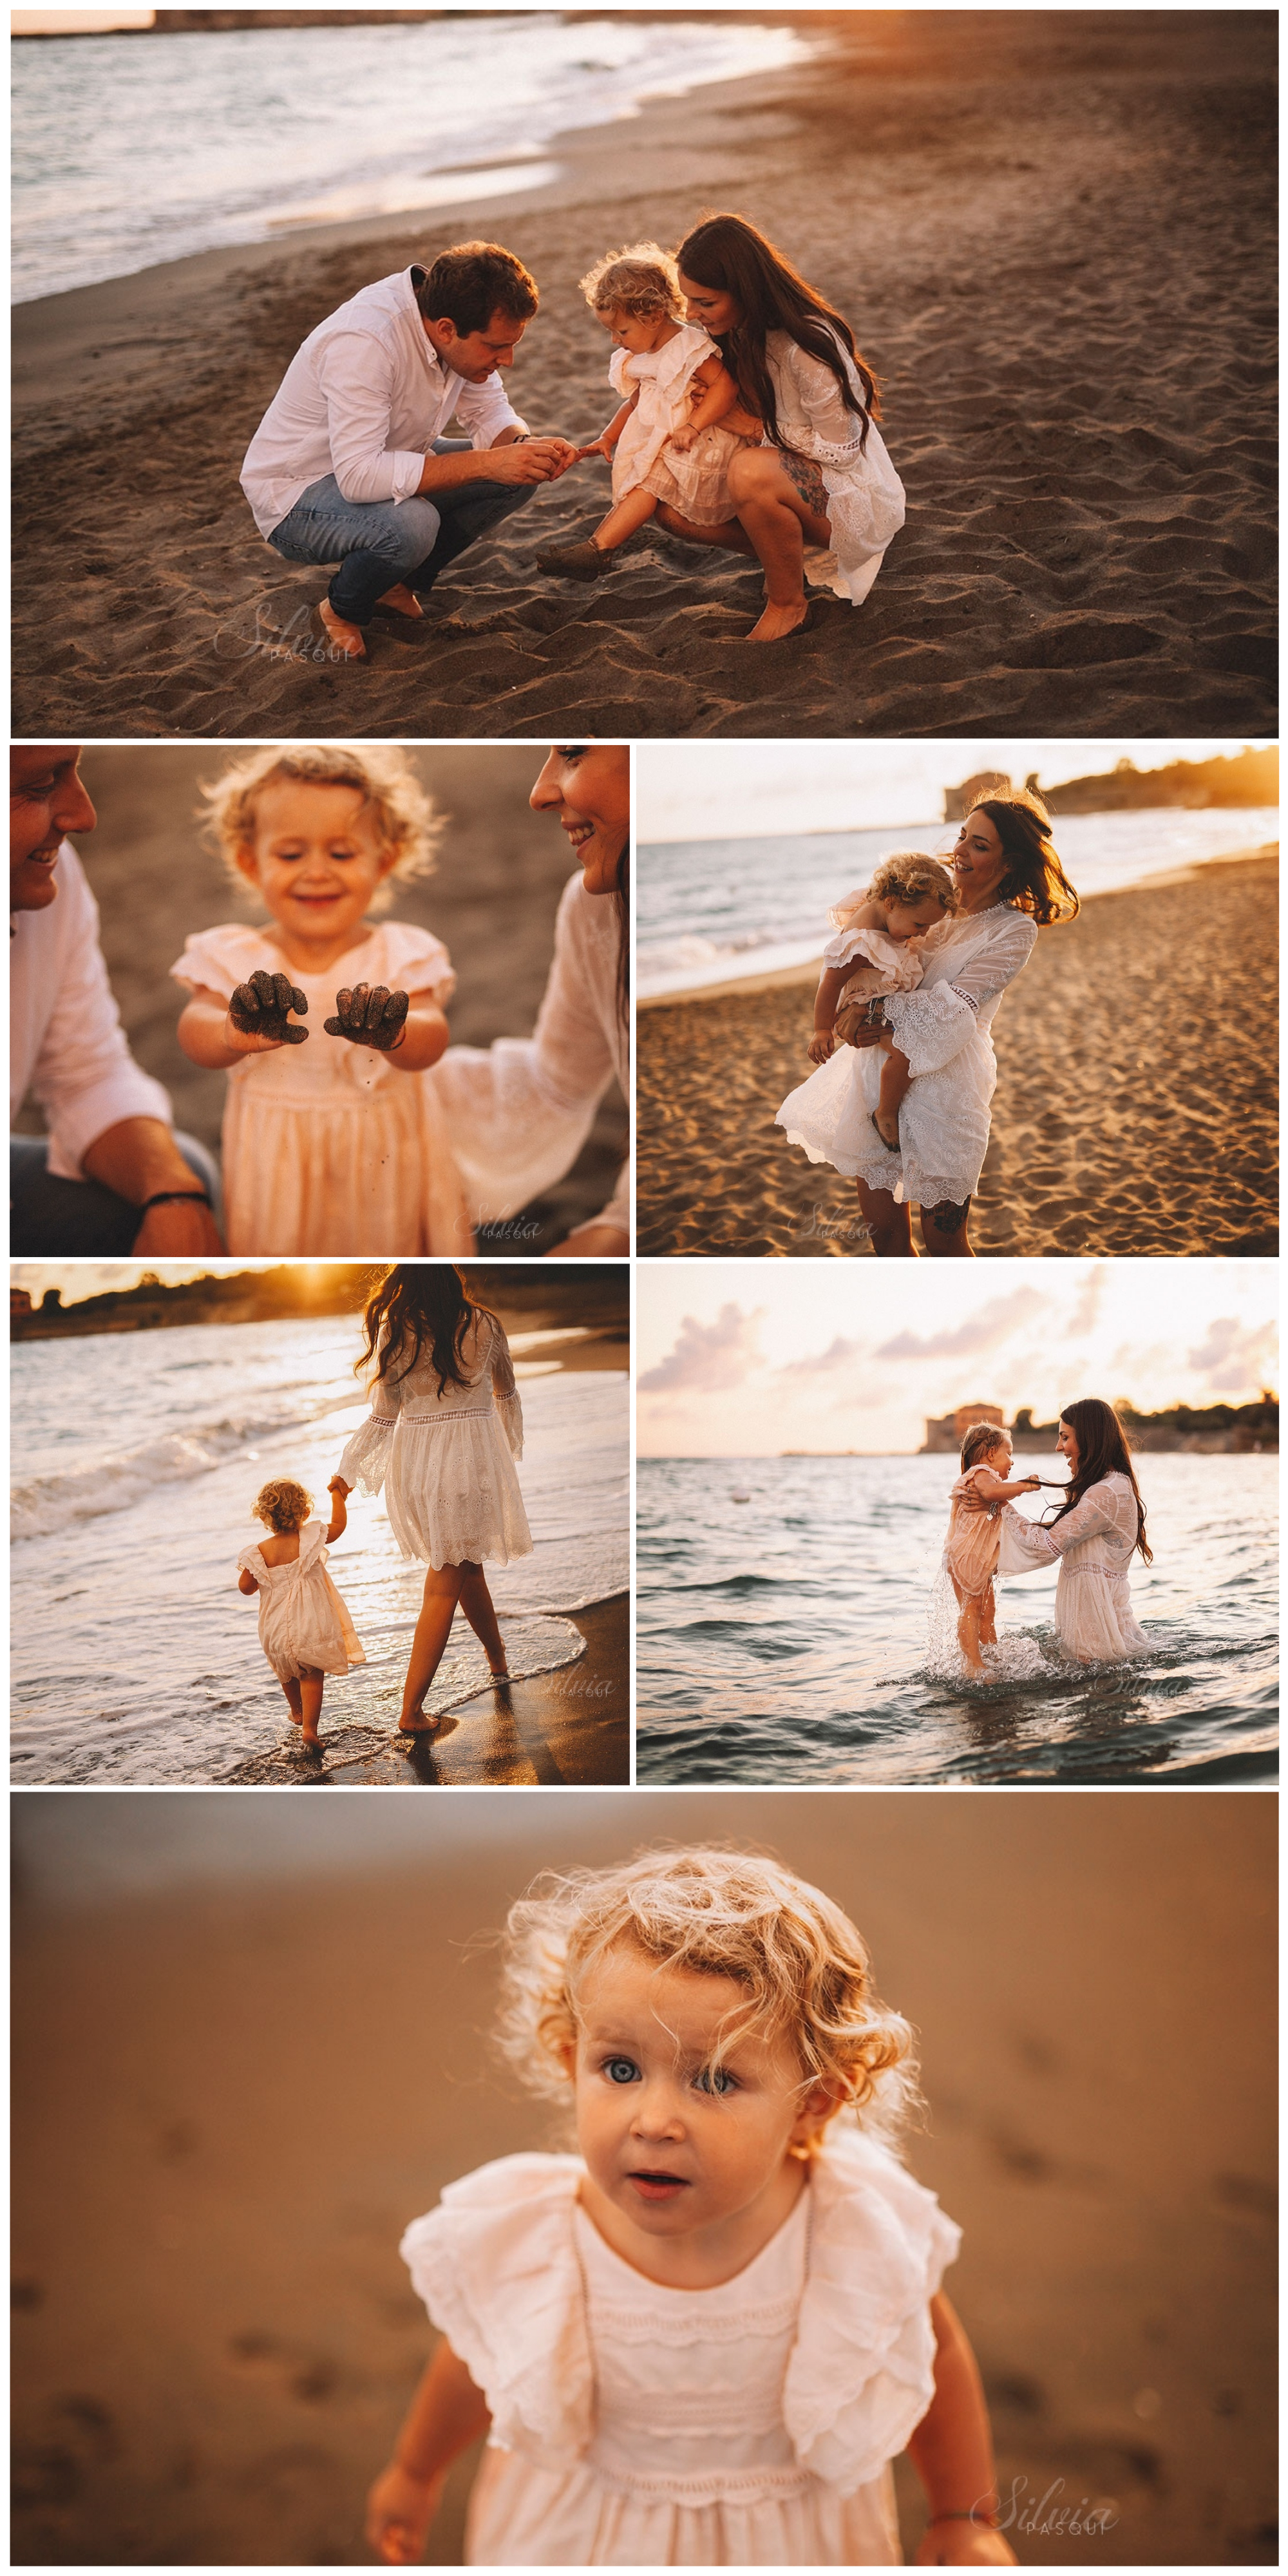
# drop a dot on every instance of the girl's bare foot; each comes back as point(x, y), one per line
point(774, 625)
point(886, 1123)
point(499, 1672)
point(401, 599)
point(294, 1716)
point(416, 1723)
point(349, 640)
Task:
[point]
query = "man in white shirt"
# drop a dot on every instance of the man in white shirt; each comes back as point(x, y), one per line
point(348, 464)
point(111, 1176)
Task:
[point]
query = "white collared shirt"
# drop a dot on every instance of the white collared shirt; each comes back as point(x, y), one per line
point(66, 1042)
point(364, 399)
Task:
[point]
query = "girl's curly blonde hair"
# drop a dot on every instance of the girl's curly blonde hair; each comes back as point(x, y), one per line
point(283, 1506)
point(407, 819)
point(905, 876)
point(799, 1960)
point(639, 282)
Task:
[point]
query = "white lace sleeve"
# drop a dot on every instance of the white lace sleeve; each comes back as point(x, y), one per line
point(1038, 1543)
point(836, 426)
point(366, 1457)
point(930, 1027)
point(504, 1391)
point(995, 963)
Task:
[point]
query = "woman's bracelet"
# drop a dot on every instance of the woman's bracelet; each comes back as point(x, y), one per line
point(166, 1198)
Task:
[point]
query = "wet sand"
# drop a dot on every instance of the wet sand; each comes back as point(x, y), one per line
point(1135, 1110)
point(564, 1729)
point(1075, 396)
point(493, 899)
point(233, 2093)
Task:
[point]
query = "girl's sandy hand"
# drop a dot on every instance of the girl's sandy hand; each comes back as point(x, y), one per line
point(370, 1016)
point(821, 1046)
point(963, 2544)
point(400, 2510)
point(257, 1014)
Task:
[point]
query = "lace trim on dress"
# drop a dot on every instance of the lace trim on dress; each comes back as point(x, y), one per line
point(653, 2325)
point(729, 2486)
point(453, 1413)
point(967, 998)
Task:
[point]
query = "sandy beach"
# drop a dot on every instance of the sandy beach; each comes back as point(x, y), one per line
point(233, 2092)
point(1135, 1109)
point(1069, 330)
point(493, 899)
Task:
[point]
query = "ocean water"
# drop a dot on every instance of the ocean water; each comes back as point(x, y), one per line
point(786, 1638)
point(129, 150)
point(708, 910)
point(135, 1459)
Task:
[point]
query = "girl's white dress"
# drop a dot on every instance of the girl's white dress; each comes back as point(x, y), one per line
point(1093, 1547)
point(635, 2426)
point(943, 1028)
point(445, 1456)
point(865, 498)
point(328, 1148)
point(693, 480)
point(520, 1110)
point(303, 1623)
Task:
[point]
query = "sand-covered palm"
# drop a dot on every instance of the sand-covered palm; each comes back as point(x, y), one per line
point(370, 1016)
point(259, 1009)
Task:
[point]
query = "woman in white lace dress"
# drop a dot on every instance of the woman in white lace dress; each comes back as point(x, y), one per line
point(821, 479)
point(444, 1430)
point(1009, 885)
point(519, 1111)
point(1092, 1539)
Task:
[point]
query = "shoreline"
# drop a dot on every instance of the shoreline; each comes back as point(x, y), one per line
point(1082, 555)
point(566, 1727)
point(736, 986)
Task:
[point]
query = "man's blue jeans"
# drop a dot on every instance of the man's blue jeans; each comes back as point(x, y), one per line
point(380, 543)
point(49, 1215)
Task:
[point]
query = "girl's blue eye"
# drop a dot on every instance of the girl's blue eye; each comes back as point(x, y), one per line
point(715, 2079)
point(620, 2070)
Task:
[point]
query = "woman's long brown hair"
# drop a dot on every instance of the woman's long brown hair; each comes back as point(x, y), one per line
point(1035, 882)
point(1102, 1451)
point(419, 1302)
point(730, 256)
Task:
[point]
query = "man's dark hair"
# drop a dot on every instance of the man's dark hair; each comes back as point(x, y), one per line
point(466, 286)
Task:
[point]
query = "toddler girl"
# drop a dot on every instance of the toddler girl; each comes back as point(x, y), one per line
point(334, 1140)
point(700, 2340)
point(877, 949)
point(665, 443)
point(974, 1539)
point(304, 1627)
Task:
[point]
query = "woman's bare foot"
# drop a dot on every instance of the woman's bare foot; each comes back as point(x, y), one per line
point(349, 639)
point(499, 1672)
point(775, 624)
point(401, 599)
point(416, 1723)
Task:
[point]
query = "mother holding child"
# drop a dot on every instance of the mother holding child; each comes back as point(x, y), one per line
point(1097, 1528)
point(912, 978)
point(747, 419)
point(441, 1439)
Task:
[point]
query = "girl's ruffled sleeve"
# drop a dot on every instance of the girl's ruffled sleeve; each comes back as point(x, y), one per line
point(504, 1390)
point(366, 1459)
point(622, 384)
point(862, 2373)
point(251, 1562)
point(217, 960)
point(414, 961)
point(496, 2265)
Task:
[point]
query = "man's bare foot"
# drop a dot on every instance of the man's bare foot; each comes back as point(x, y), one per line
point(400, 598)
point(349, 639)
point(774, 625)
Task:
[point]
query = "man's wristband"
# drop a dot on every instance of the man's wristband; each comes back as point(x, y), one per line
point(167, 1198)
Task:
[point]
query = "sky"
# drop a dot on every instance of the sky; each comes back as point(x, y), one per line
point(79, 1279)
point(745, 1359)
point(713, 791)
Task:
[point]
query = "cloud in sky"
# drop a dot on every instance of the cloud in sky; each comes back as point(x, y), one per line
point(1086, 1313)
point(707, 1358)
point(839, 1354)
point(1231, 1354)
point(985, 1331)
